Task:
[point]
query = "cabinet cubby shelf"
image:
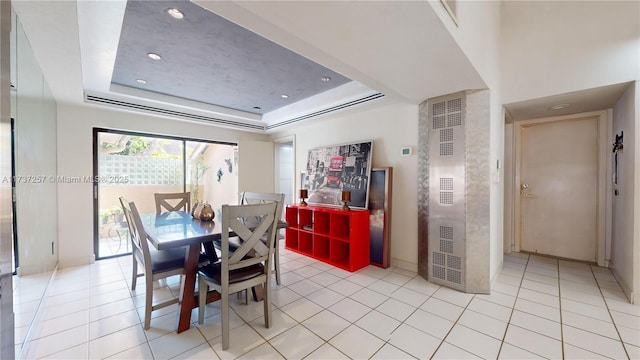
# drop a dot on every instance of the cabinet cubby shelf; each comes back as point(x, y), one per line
point(332, 235)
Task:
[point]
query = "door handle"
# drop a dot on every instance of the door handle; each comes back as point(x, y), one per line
point(524, 193)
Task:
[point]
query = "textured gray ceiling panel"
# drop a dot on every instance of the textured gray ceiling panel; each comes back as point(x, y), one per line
point(209, 59)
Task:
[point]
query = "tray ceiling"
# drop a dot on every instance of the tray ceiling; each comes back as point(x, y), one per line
point(208, 59)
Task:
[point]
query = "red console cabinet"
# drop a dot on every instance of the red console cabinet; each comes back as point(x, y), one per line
point(337, 237)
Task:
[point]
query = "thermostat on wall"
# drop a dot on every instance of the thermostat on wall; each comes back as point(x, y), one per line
point(406, 151)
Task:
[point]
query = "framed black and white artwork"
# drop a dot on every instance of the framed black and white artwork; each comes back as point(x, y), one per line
point(336, 168)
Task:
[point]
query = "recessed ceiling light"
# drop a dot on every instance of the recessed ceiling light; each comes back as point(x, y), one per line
point(154, 56)
point(326, 79)
point(559, 107)
point(284, 96)
point(141, 81)
point(175, 13)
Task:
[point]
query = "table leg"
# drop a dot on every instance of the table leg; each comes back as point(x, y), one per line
point(186, 300)
point(210, 251)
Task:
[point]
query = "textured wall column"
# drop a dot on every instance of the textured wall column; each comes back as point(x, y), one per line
point(475, 218)
point(478, 184)
point(423, 189)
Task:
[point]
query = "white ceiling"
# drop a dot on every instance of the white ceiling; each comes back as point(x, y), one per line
point(396, 49)
point(399, 49)
point(603, 97)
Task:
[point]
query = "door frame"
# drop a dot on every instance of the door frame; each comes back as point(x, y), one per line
point(96, 185)
point(14, 212)
point(603, 188)
point(285, 139)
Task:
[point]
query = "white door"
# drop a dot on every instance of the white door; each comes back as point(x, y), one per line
point(284, 170)
point(559, 188)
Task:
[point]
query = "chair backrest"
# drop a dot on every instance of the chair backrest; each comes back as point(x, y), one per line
point(139, 243)
point(184, 202)
point(250, 223)
point(248, 197)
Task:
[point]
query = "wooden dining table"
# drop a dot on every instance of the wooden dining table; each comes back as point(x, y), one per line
point(176, 229)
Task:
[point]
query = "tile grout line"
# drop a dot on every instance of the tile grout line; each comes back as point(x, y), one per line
point(385, 342)
point(132, 296)
point(25, 349)
point(413, 312)
point(560, 309)
point(452, 326)
point(609, 312)
point(513, 309)
point(602, 288)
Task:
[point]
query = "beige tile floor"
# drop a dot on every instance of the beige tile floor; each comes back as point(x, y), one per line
point(539, 308)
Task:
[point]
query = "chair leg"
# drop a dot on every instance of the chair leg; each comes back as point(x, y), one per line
point(134, 277)
point(148, 306)
point(203, 288)
point(266, 299)
point(225, 318)
point(276, 260)
point(246, 296)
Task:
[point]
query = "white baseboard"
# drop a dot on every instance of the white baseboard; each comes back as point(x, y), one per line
point(405, 265)
point(623, 284)
point(77, 261)
point(495, 277)
point(28, 351)
point(24, 270)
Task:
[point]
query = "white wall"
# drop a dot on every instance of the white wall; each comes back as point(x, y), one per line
point(623, 248)
point(391, 126)
point(35, 146)
point(636, 232)
point(75, 149)
point(554, 47)
point(255, 171)
point(477, 32)
point(224, 191)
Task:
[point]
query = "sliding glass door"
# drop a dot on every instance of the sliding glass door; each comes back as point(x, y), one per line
point(135, 166)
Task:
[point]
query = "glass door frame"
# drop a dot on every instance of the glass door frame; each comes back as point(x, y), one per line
point(96, 210)
point(14, 220)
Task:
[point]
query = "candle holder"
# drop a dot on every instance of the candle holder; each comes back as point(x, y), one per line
point(303, 195)
point(346, 197)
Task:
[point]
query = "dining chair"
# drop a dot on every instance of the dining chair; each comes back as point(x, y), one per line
point(183, 204)
point(247, 266)
point(155, 264)
point(248, 197)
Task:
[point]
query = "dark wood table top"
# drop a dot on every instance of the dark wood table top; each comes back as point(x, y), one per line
point(178, 228)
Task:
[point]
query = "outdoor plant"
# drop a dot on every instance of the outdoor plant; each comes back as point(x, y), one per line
point(198, 170)
point(104, 215)
point(117, 213)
